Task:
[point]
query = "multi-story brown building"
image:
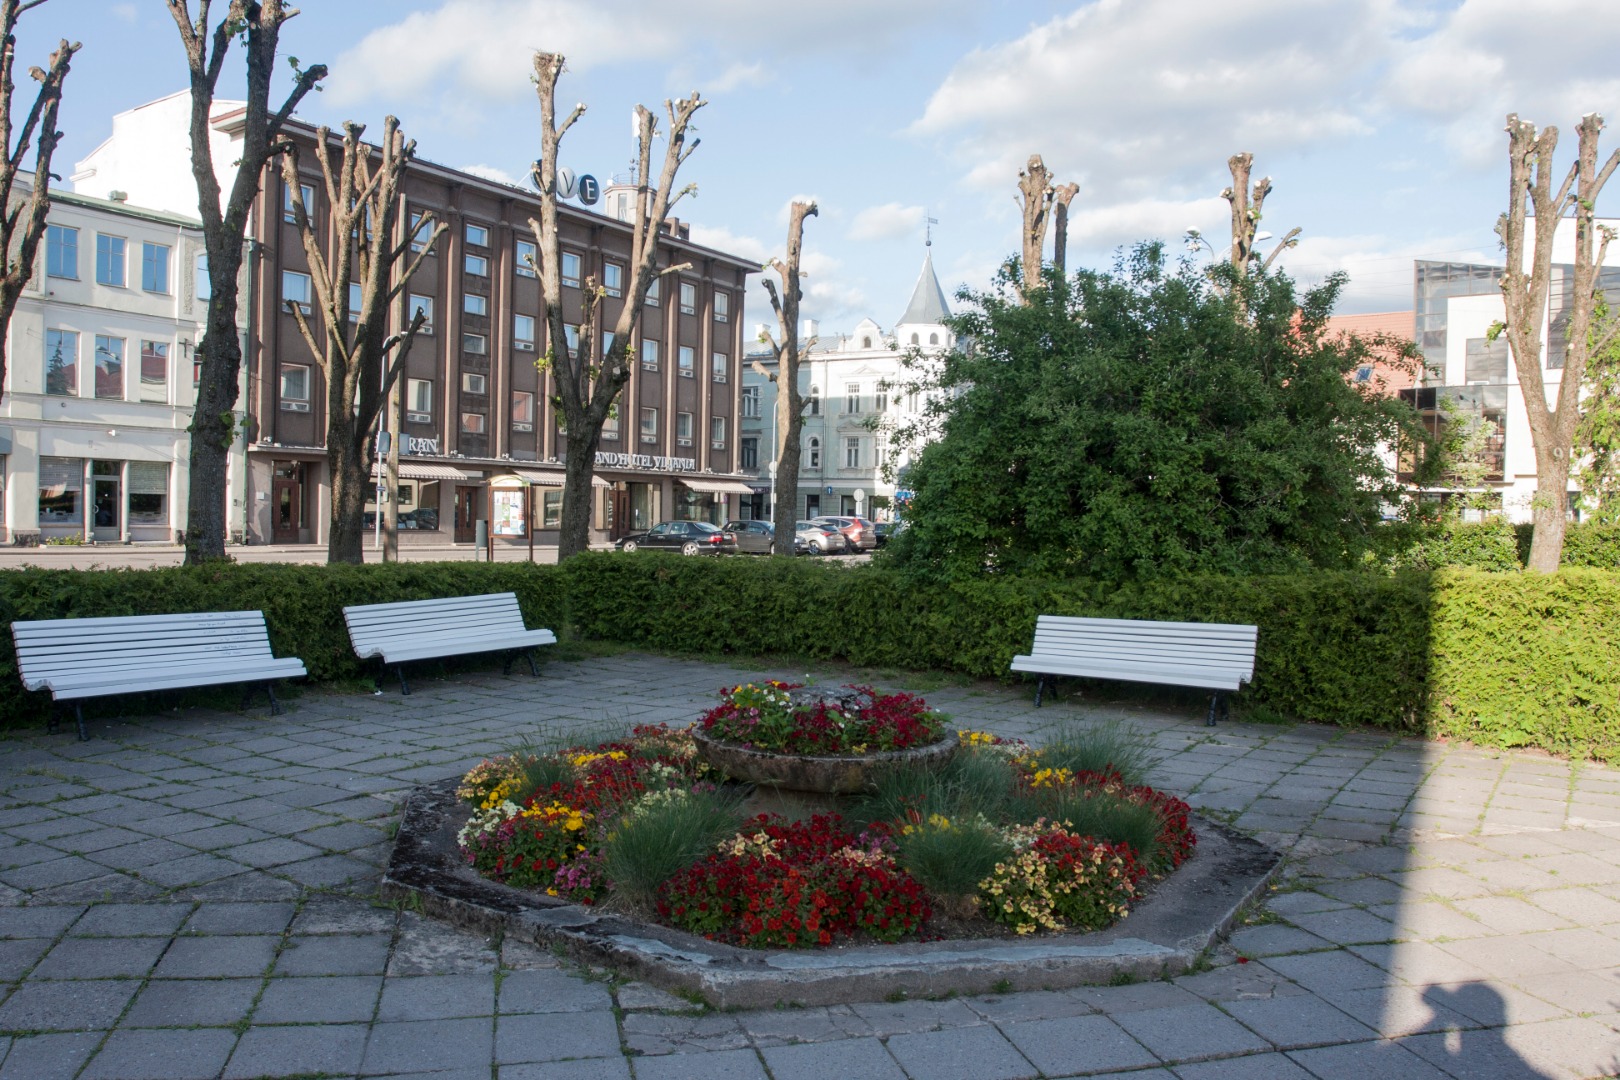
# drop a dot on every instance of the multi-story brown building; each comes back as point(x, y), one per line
point(477, 407)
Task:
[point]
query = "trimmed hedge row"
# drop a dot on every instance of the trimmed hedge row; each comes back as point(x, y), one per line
point(1488, 545)
point(1501, 659)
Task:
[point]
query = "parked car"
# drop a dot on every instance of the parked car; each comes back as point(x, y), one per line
point(883, 530)
point(757, 537)
point(819, 539)
point(687, 537)
point(857, 530)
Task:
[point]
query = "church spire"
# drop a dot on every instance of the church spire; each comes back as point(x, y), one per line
point(928, 306)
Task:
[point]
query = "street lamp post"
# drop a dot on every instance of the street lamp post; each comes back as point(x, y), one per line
point(388, 425)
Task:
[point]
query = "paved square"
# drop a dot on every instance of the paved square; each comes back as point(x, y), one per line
point(193, 894)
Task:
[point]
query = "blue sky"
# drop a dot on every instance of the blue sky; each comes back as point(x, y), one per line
point(1380, 121)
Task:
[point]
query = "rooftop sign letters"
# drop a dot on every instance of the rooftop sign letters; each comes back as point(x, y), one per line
point(645, 461)
point(415, 444)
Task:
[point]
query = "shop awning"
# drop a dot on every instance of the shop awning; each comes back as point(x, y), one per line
point(424, 471)
point(553, 479)
point(716, 487)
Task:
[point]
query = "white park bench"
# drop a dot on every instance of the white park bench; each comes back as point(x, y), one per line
point(133, 654)
point(1210, 656)
point(455, 626)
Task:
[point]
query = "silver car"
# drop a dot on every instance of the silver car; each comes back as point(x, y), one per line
point(820, 539)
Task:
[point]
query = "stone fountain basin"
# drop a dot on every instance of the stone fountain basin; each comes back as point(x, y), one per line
point(830, 775)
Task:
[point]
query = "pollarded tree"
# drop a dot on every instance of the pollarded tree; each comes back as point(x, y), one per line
point(587, 391)
point(1246, 211)
point(1526, 287)
point(23, 222)
point(1130, 424)
point(351, 345)
point(789, 354)
point(224, 219)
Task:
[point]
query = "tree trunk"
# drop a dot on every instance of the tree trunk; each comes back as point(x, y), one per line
point(348, 460)
point(1035, 187)
point(785, 513)
point(213, 426)
point(1548, 509)
point(579, 463)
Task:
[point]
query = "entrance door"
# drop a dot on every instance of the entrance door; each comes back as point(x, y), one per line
point(287, 503)
point(106, 502)
point(618, 513)
point(466, 514)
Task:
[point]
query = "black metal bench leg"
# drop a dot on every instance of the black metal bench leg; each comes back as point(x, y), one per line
point(275, 706)
point(534, 669)
point(506, 661)
point(1040, 689)
point(404, 688)
point(1215, 704)
point(78, 716)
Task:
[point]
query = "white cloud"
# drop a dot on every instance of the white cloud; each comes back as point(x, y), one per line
point(127, 12)
point(492, 172)
point(891, 221)
point(1109, 226)
point(723, 239)
point(736, 76)
point(1379, 266)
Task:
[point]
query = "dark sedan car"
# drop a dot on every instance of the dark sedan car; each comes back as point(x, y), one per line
point(687, 537)
point(756, 537)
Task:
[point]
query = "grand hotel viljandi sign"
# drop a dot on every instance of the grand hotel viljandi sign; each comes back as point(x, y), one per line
point(608, 460)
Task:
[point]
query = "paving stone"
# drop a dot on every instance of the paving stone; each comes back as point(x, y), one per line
point(192, 1003)
point(82, 1005)
point(131, 920)
point(1367, 1061)
point(425, 947)
point(331, 916)
point(1346, 926)
point(555, 1036)
point(1473, 1055)
point(217, 956)
point(661, 1033)
point(49, 1057)
point(550, 990)
point(1253, 1067)
point(852, 1059)
point(217, 836)
point(319, 1000)
point(1146, 995)
point(100, 958)
point(245, 918)
point(1294, 1022)
point(56, 872)
point(1190, 1033)
point(326, 1050)
point(1322, 972)
point(1275, 939)
point(785, 1027)
point(1398, 1010)
point(421, 1046)
point(37, 922)
point(720, 1065)
point(273, 852)
point(360, 954)
point(902, 1017)
point(437, 997)
point(967, 1053)
point(1075, 1044)
point(161, 1055)
point(1031, 1005)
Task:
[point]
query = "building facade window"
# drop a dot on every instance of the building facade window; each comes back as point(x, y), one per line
point(295, 387)
point(424, 304)
point(649, 355)
point(61, 485)
point(295, 289)
point(750, 401)
point(472, 423)
point(610, 426)
point(421, 229)
point(571, 339)
point(522, 410)
point(748, 452)
point(62, 252)
point(683, 429)
point(62, 362)
point(477, 235)
point(288, 214)
point(110, 367)
point(852, 452)
point(474, 383)
point(477, 266)
point(720, 366)
point(812, 449)
point(419, 401)
point(155, 371)
point(722, 306)
point(655, 291)
point(852, 399)
point(204, 284)
point(110, 268)
point(154, 267)
point(687, 360)
point(717, 432)
point(1485, 360)
point(815, 401)
point(570, 269)
point(527, 259)
point(523, 332)
point(148, 493)
point(649, 425)
point(688, 298)
point(474, 344)
point(473, 304)
point(613, 279)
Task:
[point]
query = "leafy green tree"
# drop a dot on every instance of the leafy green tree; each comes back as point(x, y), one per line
point(1597, 436)
point(1130, 424)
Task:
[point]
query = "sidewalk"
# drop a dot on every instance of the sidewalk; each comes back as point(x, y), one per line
point(189, 895)
point(142, 556)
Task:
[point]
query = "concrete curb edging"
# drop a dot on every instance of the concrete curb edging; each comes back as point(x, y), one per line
point(1164, 936)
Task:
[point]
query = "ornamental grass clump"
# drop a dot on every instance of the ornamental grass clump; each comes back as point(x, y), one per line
point(950, 858)
point(764, 716)
point(1099, 747)
point(663, 832)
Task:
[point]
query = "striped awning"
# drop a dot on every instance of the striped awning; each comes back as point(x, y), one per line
point(716, 487)
point(427, 471)
point(553, 479)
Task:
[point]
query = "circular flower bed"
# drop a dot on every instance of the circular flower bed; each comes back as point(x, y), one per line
point(1004, 838)
point(782, 718)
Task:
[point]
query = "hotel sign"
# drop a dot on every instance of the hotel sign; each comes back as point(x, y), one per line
point(645, 461)
point(415, 444)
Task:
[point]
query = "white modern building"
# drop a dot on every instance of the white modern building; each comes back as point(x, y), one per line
point(100, 378)
point(1456, 304)
point(854, 385)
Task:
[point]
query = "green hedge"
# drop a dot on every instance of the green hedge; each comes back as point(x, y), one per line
point(1487, 545)
point(1502, 659)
